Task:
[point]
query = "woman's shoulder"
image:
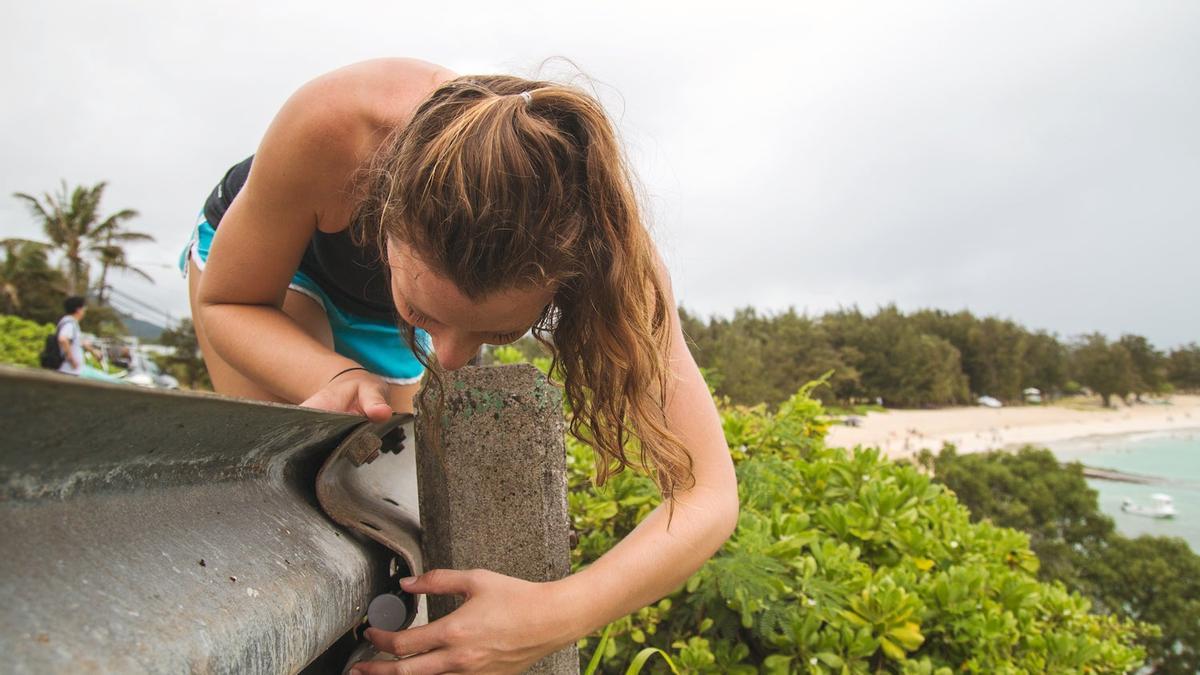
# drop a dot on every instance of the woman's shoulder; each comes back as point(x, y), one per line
point(394, 74)
point(332, 124)
point(368, 96)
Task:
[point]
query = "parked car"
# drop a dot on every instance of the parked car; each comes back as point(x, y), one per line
point(989, 402)
point(146, 373)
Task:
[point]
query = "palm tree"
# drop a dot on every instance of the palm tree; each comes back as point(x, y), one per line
point(73, 225)
point(112, 256)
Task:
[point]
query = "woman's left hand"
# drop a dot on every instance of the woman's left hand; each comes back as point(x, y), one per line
point(504, 626)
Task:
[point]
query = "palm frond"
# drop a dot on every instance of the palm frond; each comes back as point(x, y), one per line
point(19, 241)
point(125, 267)
point(34, 205)
point(113, 222)
point(131, 236)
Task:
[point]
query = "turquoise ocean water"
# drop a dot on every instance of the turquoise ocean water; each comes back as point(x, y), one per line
point(1174, 455)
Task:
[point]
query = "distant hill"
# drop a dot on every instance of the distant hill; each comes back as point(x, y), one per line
point(142, 330)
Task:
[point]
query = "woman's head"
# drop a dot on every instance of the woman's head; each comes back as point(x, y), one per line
point(458, 324)
point(514, 196)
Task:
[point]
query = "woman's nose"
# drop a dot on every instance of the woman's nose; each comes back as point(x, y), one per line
point(454, 353)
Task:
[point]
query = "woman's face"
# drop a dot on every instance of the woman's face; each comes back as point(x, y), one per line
point(458, 325)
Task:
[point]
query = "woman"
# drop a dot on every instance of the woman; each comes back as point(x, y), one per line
point(481, 207)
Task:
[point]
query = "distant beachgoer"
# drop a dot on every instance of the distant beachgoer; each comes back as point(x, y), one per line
point(70, 336)
point(398, 216)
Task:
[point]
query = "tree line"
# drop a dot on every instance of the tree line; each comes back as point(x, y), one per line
point(924, 358)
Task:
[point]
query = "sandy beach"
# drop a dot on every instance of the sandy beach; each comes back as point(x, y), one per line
point(900, 433)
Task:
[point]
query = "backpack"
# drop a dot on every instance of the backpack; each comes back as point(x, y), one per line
point(52, 357)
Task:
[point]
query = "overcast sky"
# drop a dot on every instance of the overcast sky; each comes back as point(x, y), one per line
point(1032, 160)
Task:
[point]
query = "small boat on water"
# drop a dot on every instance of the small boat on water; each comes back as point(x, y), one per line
point(1162, 507)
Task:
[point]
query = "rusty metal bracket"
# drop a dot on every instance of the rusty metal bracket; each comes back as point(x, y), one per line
point(365, 443)
point(368, 485)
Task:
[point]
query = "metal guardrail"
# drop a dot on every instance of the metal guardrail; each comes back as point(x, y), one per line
point(163, 532)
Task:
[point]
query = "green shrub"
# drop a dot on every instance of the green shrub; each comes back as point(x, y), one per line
point(1153, 579)
point(843, 562)
point(21, 340)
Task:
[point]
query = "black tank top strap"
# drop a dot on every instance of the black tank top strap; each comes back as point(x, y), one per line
point(354, 277)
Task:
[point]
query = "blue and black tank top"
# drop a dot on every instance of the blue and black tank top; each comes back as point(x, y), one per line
point(353, 276)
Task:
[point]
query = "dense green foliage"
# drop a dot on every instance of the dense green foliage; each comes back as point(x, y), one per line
point(846, 562)
point(897, 361)
point(103, 321)
point(21, 341)
point(924, 358)
point(185, 364)
point(752, 358)
point(1151, 579)
point(1183, 367)
point(842, 562)
point(29, 286)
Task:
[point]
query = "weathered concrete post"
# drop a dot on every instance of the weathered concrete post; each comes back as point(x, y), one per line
point(491, 474)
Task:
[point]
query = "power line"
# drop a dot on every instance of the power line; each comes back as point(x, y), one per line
point(155, 311)
point(132, 312)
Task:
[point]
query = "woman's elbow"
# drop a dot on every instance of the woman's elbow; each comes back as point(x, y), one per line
point(727, 508)
point(731, 520)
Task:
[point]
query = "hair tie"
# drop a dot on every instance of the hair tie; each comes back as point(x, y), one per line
point(527, 96)
point(346, 371)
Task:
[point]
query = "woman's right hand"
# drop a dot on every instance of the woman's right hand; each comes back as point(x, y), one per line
point(358, 392)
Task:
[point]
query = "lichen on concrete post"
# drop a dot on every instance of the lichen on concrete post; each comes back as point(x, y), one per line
point(491, 474)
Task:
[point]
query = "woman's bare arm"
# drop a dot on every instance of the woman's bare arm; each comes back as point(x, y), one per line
point(652, 560)
point(259, 245)
point(301, 181)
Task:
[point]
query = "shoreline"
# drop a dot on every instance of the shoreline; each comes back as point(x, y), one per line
point(902, 433)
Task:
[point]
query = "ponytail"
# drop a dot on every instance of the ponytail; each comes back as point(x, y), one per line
point(500, 182)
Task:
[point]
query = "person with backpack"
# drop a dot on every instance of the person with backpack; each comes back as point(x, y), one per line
point(68, 336)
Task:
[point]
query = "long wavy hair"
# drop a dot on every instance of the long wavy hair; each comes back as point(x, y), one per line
point(500, 182)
